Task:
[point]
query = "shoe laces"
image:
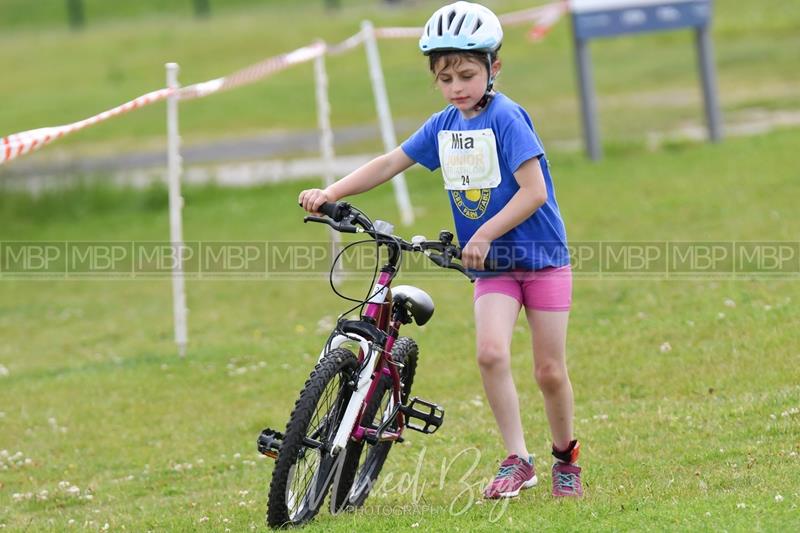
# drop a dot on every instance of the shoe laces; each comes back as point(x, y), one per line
point(566, 481)
point(506, 471)
point(510, 470)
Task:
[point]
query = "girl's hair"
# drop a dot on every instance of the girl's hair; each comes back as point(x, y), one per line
point(455, 57)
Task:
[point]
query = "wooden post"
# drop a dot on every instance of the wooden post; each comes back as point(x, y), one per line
point(75, 14)
point(202, 8)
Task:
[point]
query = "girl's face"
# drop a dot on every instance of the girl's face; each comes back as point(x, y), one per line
point(463, 82)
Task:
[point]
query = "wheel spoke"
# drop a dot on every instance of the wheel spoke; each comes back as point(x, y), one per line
point(307, 484)
point(308, 470)
point(326, 412)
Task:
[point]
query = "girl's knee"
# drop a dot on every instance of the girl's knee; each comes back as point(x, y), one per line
point(493, 355)
point(551, 376)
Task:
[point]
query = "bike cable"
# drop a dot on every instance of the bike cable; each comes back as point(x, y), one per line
point(377, 260)
point(361, 303)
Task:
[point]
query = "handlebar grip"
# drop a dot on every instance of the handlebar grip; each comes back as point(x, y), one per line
point(488, 264)
point(337, 211)
point(347, 228)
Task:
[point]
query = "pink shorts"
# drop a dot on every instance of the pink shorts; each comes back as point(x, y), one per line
point(549, 289)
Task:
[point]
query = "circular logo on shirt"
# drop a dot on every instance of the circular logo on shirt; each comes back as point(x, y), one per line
point(472, 203)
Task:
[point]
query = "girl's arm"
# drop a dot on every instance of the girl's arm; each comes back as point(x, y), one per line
point(531, 195)
point(379, 170)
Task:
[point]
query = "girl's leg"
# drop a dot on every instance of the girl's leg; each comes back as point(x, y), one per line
point(549, 330)
point(495, 317)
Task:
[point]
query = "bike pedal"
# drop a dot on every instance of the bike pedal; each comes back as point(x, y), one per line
point(269, 442)
point(429, 413)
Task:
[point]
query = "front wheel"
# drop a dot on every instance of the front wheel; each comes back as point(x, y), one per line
point(355, 482)
point(305, 467)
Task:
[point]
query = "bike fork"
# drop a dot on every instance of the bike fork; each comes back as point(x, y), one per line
point(356, 399)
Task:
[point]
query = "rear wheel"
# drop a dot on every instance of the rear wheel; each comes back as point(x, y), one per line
point(363, 461)
point(305, 467)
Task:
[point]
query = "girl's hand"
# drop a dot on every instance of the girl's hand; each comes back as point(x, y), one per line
point(474, 253)
point(312, 199)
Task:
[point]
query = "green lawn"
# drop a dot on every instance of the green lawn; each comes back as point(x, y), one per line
point(644, 83)
point(702, 436)
point(97, 410)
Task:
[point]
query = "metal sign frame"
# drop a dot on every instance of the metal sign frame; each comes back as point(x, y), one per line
point(594, 19)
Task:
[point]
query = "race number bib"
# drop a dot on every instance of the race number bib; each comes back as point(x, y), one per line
point(469, 159)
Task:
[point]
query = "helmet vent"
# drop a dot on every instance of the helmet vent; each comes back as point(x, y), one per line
point(477, 25)
point(450, 18)
point(460, 23)
point(439, 33)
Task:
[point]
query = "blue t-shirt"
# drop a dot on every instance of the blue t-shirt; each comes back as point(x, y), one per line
point(537, 242)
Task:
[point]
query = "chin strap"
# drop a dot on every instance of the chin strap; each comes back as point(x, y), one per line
point(483, 102)
point(487, 96)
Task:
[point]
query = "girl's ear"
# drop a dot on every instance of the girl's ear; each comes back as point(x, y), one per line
point(496, 67)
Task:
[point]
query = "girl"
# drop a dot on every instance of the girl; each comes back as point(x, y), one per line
point(497, 177)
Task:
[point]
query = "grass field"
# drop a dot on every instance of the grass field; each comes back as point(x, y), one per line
point(687, 392)
point(112, 428)
point(644, 83)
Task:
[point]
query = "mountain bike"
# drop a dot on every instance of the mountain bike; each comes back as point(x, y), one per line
point(355, 404)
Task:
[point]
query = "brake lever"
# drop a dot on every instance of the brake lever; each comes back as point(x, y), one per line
point(338, 226)
point(444, 262)
point(454, 252)
point(321, 220)
point(456, 266)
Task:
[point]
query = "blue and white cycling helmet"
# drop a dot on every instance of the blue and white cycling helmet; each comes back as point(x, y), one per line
point(462, 26)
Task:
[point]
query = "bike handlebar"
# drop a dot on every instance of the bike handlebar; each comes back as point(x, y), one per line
point(342, 217)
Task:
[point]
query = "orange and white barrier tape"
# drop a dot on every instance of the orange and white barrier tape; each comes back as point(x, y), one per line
point(15, 145)
point(533, 14)
point(18, 144)
point(24, 142)
point(544, 17)
point(254, 72)
point(398, 33)
point(346, 45)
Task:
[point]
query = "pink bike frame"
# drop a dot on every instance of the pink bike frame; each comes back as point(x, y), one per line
point(380, 312)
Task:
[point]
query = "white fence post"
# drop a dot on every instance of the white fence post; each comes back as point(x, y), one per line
point(175, 207)
point(385, 117)
point(325, 136)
